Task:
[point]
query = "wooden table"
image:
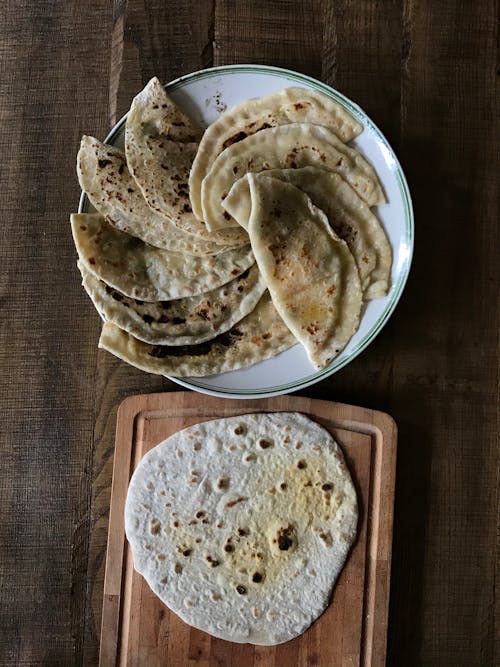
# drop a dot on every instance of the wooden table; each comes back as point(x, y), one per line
point(425, 72)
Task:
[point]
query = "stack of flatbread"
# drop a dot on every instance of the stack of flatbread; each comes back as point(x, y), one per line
point(211, 251)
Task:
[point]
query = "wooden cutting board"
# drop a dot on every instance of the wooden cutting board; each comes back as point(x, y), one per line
point(137, 628)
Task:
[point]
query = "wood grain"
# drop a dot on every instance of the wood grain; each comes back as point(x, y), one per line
point(427, 73)
point(285, 33)
point(49, 333)
point(137, 629)
point(448, 372)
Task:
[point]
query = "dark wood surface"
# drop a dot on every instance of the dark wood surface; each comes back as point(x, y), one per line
point(426, 72)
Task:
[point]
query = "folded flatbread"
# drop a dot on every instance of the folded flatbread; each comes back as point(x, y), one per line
point(290, 105)
point(160, 144)
point(144, 272)
point(287, 146)
point(242, 525)
point(105, 178)
point(309, 271)
point(260, 335)
point(350, 218)
point(187, 321)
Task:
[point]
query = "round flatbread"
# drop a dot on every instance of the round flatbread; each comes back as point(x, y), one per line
point(242, 525)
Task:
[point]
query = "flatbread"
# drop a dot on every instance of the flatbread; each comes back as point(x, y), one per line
point(105, 178)
point(242, 525)
point(160, 144)
point(290, 105)
point(187, 321)
point(350, 218)
point(260, 335)
point(144, 272)
point(309, 271)
point(295, 145)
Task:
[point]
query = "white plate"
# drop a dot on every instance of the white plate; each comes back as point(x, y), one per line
point(205, 95)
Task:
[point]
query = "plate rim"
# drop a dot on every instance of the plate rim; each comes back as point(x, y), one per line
point(362, 116)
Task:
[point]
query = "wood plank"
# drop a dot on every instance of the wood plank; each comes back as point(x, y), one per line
point(445, 382)
point(354, 627)
point(361, 56)
point(286, 34)
point(53, 87)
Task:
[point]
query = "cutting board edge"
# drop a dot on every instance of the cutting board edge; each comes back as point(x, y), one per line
point(381, 419)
